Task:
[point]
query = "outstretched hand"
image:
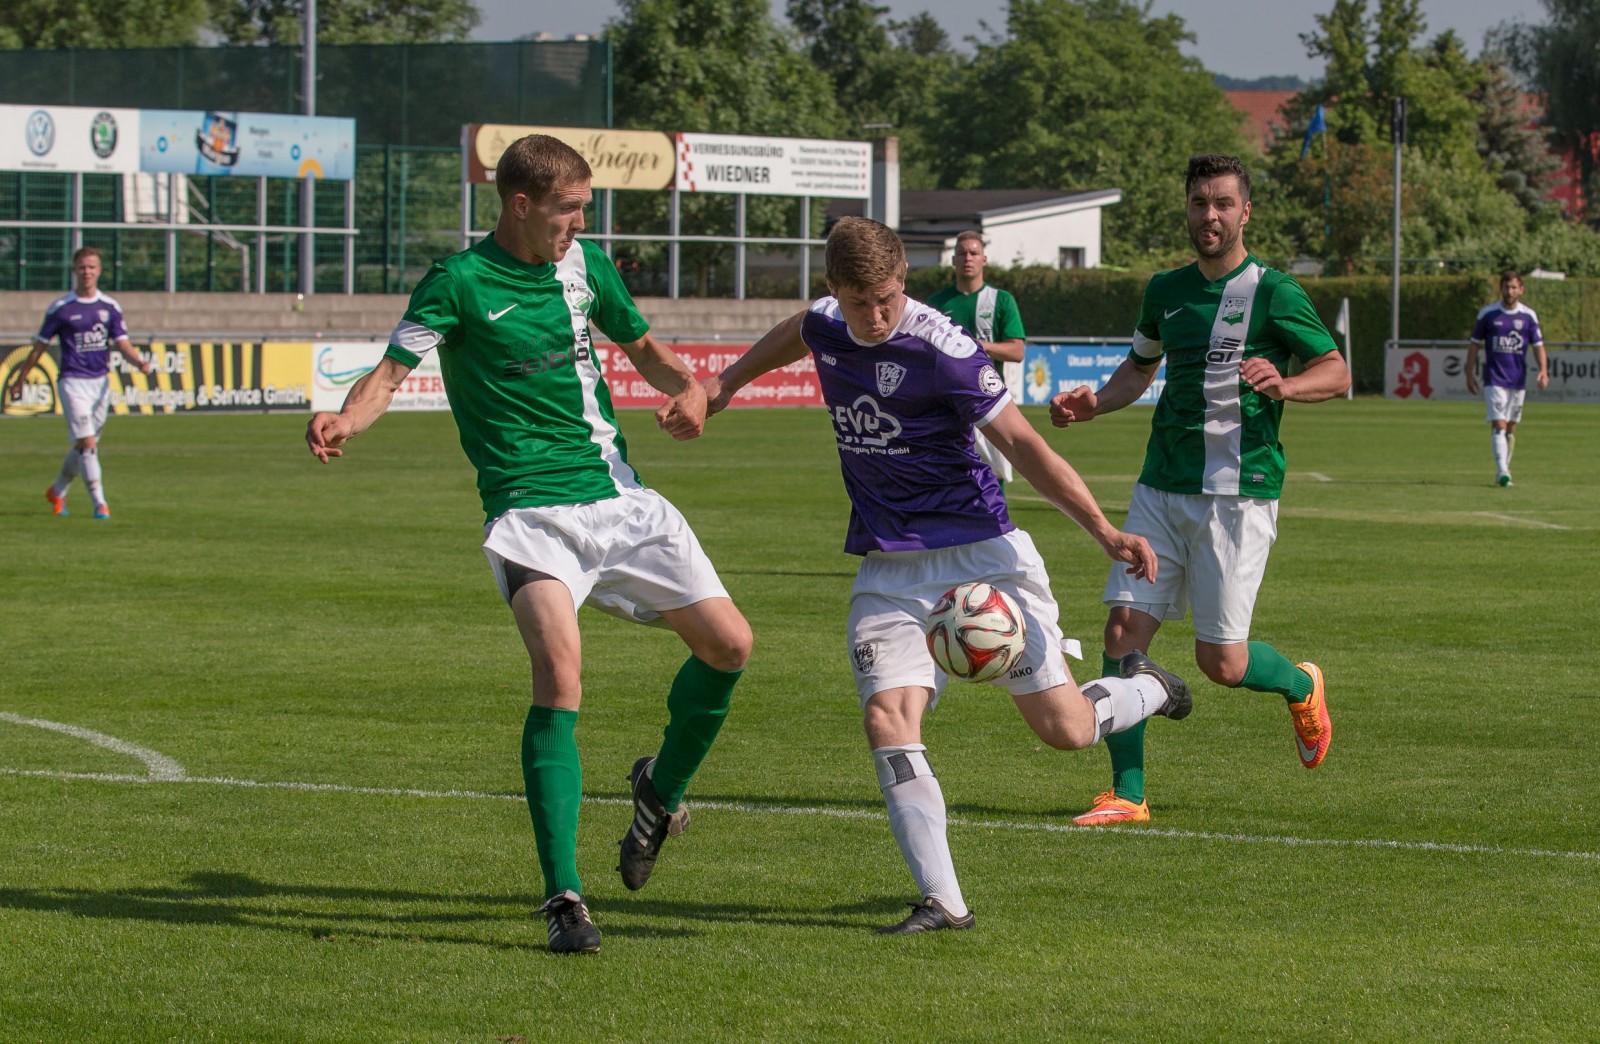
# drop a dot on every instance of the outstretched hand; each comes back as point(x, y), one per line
point(1075, 405)
point(1136, 551)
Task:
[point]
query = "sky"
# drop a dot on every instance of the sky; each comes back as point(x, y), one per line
point(1240, 38)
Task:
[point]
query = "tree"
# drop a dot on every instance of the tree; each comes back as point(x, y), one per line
point(1513, 149)
point(245, 22)
point(1085, 94)
point(50, 24)
point(1563, 60)
point(886, 75)
point(715, 66)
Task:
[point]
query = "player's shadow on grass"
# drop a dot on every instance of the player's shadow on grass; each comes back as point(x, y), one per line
point(613, 915)
point(323, 912)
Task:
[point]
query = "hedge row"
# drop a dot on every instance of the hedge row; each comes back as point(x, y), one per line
point(1101, 303)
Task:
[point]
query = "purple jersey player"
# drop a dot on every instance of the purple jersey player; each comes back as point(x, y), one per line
point(1505, 330)
point(89, 325)
point(905, 389)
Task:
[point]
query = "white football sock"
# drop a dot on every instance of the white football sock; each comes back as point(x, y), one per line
point(1121, 703)
point(917, 817)
point(91, 476)
point(71, 465)
point(1502, 452)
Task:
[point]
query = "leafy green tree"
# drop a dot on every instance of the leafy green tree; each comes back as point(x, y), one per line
point(1513, 150)
point(1562, 59)
point(886, 75)
point(1085, 94)
point(50, 24)
point(245, 22)
point(714, 66)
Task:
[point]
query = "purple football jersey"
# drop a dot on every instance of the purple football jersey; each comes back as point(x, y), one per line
point(1506, 337)
point(87, 328)
point(903, 411)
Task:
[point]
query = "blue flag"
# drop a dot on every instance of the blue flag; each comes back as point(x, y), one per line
point(1319, 124)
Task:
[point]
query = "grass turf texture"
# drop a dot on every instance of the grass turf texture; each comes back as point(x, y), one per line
point(257, 617)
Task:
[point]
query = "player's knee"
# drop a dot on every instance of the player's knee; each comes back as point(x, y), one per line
point(729, 648)
point(1224, 672)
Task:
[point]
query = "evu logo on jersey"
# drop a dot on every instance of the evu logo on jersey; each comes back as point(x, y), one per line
point(544, 362)
point(864, 423)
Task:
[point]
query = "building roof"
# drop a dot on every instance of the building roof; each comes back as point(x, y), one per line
point(1263, 112)
point(968, 208)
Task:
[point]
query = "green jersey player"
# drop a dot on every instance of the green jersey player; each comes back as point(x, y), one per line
point(990, 315)
point(569, 520)
point(1207, 499)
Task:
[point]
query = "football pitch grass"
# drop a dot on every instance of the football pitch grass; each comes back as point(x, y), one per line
point(287, 804)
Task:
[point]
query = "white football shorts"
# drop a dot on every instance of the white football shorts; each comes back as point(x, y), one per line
point(1505, 404)
point(894, 595)
point(85, 401)
point(1211, 554)
point(631, 556)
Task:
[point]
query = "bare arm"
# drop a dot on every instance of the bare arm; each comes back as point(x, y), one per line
point(1472, 367)
point(779, 346)
point(1130, 381)
point(684, 414)
point(21, 372)
point(369, 398)
point(1544, 369)
point(1060, 484)
point(1324, 377)
point(1005, 351)
point(130, 353)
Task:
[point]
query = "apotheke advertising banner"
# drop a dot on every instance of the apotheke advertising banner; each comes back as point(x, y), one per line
point(1440, 375)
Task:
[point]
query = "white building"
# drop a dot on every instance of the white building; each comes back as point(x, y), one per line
point(1020, 226)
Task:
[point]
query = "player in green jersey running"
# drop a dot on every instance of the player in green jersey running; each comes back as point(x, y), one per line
point(991, 316)
point(1207, 499)
point(569, 520)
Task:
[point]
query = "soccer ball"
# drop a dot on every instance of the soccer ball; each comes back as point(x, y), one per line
point(976, 632)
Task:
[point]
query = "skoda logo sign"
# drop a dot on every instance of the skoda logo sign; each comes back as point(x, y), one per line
point(103, 135)
point(41, 132)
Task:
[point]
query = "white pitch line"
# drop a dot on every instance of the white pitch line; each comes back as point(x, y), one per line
point(160, 766)
point(1319, 476)
point(1523, 521)
point(1127, 832)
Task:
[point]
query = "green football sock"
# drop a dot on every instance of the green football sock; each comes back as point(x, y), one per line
point(1270, 671)
point(1126, 749)
point(696, 708)
point(554, 781)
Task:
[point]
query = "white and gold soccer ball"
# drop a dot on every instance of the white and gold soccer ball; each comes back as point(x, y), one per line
point(975, 632)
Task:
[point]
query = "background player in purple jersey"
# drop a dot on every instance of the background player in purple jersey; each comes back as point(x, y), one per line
point(1505, 330)
point(905, 389)
point(89, 324)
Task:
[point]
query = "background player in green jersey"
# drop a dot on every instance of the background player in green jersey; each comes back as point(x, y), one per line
point(1207, 499)
point(991, 316)
point(569, 521)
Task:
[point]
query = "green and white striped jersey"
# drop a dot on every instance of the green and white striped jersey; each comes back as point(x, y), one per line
point(525, 387)
point(1209, 434)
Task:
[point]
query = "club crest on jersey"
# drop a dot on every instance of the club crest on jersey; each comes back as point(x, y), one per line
point(1232, 309)
point(578, 296)
point(865, 655)
point(889, 377)
point(105, 316)
point(990, 381)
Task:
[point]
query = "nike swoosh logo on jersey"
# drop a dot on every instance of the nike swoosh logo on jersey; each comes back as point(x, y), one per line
point(1169, 315)
point(496, 315)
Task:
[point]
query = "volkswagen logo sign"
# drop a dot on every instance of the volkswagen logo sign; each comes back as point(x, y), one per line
point(41, 132)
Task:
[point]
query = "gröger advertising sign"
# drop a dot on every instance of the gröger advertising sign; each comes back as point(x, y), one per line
point(620, 159)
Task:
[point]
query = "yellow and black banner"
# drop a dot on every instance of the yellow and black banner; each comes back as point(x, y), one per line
point(209, 377)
